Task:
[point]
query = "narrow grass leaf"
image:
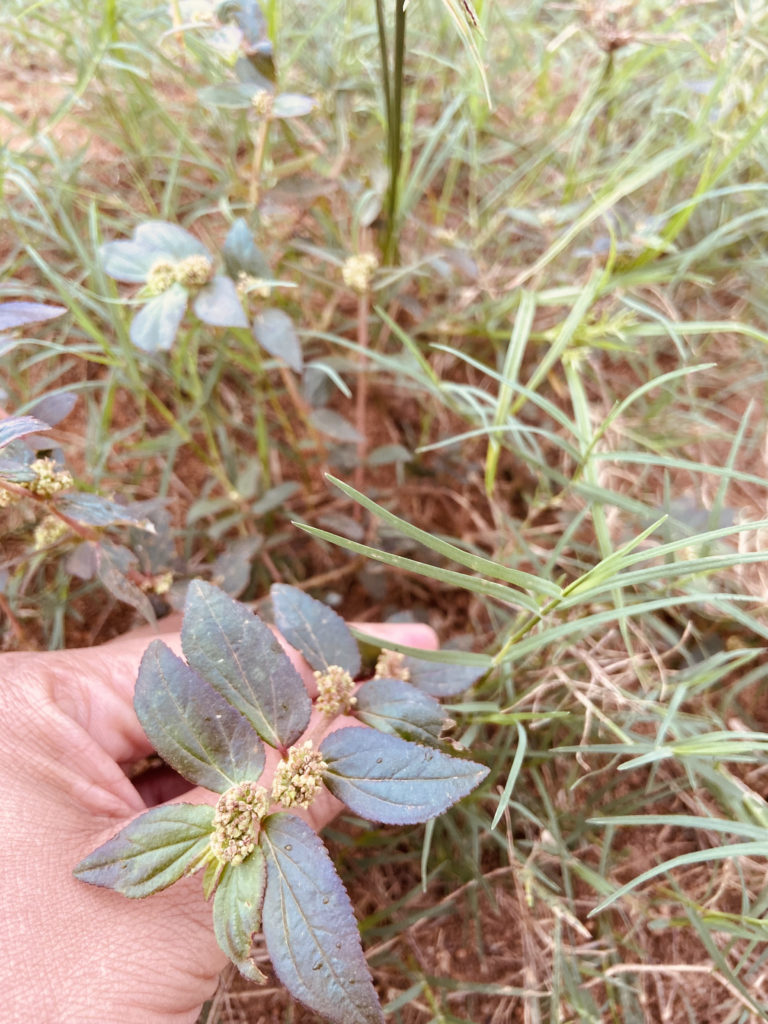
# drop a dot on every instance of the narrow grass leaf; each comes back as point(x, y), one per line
point(514, 771)
point(237, 911)
point(152, 852)
point(314, 629)
point(239, 656)
point(310, 928)
point(478, 564)
point(191, 726)
point(390, 780)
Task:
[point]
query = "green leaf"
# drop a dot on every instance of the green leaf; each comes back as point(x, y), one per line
point(127, 261)
point(291, 104)
point(14, 427)
point(193, 727)
point(19, 314)
point(331, 423)
point(241, 659)
point(275, 332)
point(154, 327)
point(152, 852)
point(385, 778)
point(314, 629)
point(393, 706)
point(441, 680)
point(93, 510)
point(240, 253)
point(230, 95)
point(168, 241)
point(237, 911)
point(310, 928)
point(219, 305)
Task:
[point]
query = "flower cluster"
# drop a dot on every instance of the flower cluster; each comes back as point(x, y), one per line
point(262, 103)
point(247, 284)
point(391, 665)
point(358, 271)
point(192, 272)
point(299, 776)
point(48, 531)
point(235, 823)
point(47, 481)
point(335, 691)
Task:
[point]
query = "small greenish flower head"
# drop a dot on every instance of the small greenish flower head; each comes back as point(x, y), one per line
point(161, 275)
point(48, 480)
point(194, 271)
point(391, 665)
point(335, 691)
point(299, 776)
point(357, 271)
point(236, 821)
point(48, 532)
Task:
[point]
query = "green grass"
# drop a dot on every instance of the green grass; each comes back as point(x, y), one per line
point(572, 347)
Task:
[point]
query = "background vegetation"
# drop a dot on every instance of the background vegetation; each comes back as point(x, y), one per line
point(551, 408)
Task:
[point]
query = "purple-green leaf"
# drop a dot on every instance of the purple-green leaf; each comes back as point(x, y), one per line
point(314, 629)
point(152, 852)
point(219, 305)
point(240, 253)
point(385, 778)
point(19, 314)
point(310, 928)
point(392, 706)
point(154, 327)
point(191, 726)
point(274, 331)
point(168, 241)
point(440, 678)
point(14, 427)
point(239, 656)
point(237, 911)
point(93, 510)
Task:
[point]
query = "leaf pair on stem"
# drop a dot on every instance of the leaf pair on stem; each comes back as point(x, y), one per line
point(266, 869)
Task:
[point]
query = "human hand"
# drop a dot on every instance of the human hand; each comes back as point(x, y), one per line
point(76, 954)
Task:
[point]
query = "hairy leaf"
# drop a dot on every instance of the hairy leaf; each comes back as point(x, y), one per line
point(385, 778)
point(393, 706)
point(309, 926)
point(238, 655)
point(275, 332)
point(219, 305)
point(93, 510)
point(237, 911)
point(191, 726)
point(439, 678)
point(241, 254)
point(154, 327)
point(314, 629)
point(19, 426)
point(292, 104)
point(152, 852)
point(168, 241)
point(19, 314)
point(54, 407)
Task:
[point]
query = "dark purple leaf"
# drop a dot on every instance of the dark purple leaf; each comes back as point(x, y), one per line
point(154, 327)
point(191, 726)
point(152, 852)
point(237, 911)
point(19, 426)
point(274, 331)
point(392, 706)
point(310, 928)
point(385, 778)
point(239, 656)
point(219, 305)
point(314, 629)
point(19, 314)
point(440, 678)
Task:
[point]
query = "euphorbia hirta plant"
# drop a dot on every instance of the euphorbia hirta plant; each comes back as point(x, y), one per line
point(209, 717)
